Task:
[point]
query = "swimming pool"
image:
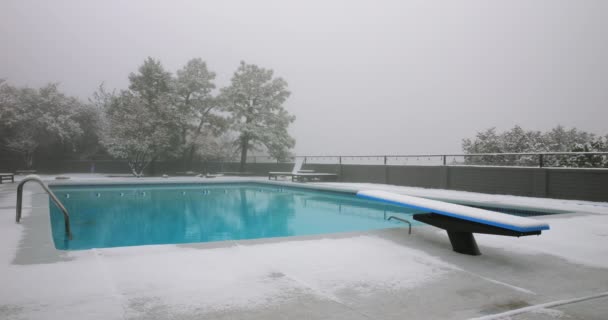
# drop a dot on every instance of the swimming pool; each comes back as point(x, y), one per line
point(130, 215)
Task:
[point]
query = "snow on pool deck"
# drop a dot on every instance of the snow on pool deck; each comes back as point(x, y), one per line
point(367, 275)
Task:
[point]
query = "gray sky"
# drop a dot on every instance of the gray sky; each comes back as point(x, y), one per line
point(367, 77)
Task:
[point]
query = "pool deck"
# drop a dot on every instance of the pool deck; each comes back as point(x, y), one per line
point(386, 274)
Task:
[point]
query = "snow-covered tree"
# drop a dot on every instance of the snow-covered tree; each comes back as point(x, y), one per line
point(33, 118)
point(485, 142)
point(518, 140)
point(143, 123)
point(24, 143)
point(153, 84)
point(559, 139)
point(255, 100)
point(210, 146)
point(194, 86)
point(598, 144)
point(9, 97)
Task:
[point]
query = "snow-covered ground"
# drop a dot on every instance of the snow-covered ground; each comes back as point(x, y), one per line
point(383, 274)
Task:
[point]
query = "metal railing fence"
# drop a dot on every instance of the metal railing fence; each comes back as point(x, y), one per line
point(527, 159)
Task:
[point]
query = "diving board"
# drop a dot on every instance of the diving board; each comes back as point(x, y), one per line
point(460, 221)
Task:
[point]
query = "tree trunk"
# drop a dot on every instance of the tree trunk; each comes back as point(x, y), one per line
point(185, 151)
point(244, 147)
point(29, 160)
point(152, 167)
point(191, 156)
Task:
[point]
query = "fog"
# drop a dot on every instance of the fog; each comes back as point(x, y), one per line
point(367, 77)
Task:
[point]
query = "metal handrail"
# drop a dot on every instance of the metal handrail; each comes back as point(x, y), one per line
point(66, 215)
point(402, 220)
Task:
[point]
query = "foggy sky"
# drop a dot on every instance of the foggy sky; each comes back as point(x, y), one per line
point(367, 77)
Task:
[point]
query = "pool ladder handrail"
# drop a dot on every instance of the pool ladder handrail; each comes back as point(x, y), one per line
point(402, 220)
point(33, 177)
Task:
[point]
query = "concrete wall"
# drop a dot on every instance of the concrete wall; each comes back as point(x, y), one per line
point(363, 173)
point(559, 183)
point(585, 184)
point(508, 180)
point(417, 176)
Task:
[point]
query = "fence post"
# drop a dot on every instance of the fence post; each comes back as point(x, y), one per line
point(443, 159)
point(385, 170)
point(340, 168)
point(540, 161)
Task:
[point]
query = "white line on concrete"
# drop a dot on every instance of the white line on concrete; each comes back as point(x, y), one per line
point(541, 306)
point(520, 289)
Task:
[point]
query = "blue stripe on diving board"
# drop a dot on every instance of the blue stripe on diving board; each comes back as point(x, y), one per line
point(488, 222)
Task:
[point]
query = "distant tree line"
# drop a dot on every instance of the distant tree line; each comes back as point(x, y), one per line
point(44, 122)
point(518, 140)
point(160, 116)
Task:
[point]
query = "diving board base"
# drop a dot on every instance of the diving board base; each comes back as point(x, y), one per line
point(464, 242)
point(461, 231)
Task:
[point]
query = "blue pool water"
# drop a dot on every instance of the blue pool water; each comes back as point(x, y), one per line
point(131, 215)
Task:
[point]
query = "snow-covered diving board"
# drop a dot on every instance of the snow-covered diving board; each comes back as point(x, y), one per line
point(461, 221)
